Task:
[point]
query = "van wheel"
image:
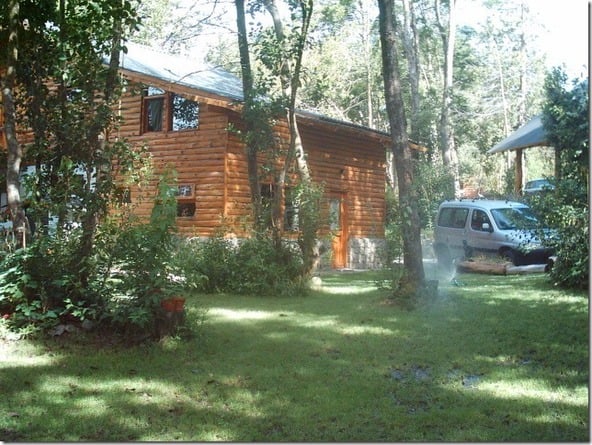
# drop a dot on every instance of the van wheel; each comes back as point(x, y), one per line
point(514, 257)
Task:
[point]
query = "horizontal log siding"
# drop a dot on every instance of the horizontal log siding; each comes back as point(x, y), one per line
point(198, 156)
point(238, 191)
point(363, 179)
point(213, 159)
point(349, 164)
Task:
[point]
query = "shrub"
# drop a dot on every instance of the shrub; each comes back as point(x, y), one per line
point(565, 210)
point(256, 265)
point(266, 268)
point(215, 260)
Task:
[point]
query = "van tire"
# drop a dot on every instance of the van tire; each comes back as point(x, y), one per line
point(511, 255)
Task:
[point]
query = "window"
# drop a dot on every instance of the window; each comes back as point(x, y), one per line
point(267, 195)
point(185, 200)
point(153, 109)
point(479, 218)
point(453, 217)
point(185, 209)
point(123, 195)
point(335, 214)
point(517, 218)
point(291, 207)
point(183, 113)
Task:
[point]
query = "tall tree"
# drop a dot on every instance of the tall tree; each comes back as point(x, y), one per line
point(447, 31)
point(410, 39)
point(66, 94)
point(253, 144)
point(411, 227)
point(15, 152)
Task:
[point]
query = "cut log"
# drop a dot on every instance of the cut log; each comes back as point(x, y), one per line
point(499, 268)
point(479, 267)
point(531, 268)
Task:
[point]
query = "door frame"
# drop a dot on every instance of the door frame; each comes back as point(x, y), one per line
point(339, 229)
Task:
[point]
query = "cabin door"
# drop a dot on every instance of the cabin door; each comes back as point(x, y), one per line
point(338, 225)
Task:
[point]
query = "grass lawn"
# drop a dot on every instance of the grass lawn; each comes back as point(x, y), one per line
point(493, 358)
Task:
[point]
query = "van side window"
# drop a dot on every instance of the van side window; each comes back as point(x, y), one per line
point(478, 218)
point(453, 217)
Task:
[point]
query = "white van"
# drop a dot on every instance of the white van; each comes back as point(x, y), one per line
point(465, 228)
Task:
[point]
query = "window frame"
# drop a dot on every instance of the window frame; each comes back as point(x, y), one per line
point(186, 200)
point(167, 107)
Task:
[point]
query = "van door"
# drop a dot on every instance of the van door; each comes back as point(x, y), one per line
point(481, 238)
point(452, 230)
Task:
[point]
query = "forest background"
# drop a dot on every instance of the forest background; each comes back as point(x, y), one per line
point(502, 50)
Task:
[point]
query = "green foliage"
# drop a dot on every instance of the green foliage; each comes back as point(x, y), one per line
point(266, 268)
point(142, 255)
point(39, 286)
point(565, 209)
point(129, 273)
point(254, 266)
point(308, 197)
point(433, 184)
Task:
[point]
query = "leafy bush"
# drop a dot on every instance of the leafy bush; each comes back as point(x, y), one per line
point(143, 258)
point(215, 259)
point(433, 184)
point(266, 268)
point(565, 210)
point(128, 274)
point(39, 286)
point(565, 119)
point(255, 265)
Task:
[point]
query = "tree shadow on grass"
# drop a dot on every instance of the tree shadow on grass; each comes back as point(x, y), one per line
point(478, 365)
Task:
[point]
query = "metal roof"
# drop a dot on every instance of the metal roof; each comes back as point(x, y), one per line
point(181, 70)
point(531, 134)
point(186, 71)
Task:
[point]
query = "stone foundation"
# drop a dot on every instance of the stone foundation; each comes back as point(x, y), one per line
point(366, 253)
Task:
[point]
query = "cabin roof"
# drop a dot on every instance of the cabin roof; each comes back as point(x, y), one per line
point(181, 70)
point(205, 77)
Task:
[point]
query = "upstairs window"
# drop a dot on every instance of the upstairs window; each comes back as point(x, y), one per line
point(185, 113)
point(153, 109)
point(165, 111)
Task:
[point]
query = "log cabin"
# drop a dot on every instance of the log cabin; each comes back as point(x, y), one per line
point(184, 111)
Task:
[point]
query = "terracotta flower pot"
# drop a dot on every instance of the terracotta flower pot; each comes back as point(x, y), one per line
point(168, 305)
point(179, 303)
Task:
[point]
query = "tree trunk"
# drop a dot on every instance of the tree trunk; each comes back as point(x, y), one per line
point(15, 152)
point(412, 250)
point(290, 79)
point(248, 93)
point(447, 145)
point(410, 44)
point(289, 72)
point(520, 164)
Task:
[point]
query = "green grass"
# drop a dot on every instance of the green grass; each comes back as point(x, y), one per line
point(493, 359)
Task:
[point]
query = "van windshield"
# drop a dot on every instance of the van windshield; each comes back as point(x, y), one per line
point(516, 218)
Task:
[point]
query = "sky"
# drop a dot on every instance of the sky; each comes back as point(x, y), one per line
point(568, 38)
point(564, 36)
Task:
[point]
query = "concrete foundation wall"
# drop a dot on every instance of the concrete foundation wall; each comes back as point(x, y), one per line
point(366, 253)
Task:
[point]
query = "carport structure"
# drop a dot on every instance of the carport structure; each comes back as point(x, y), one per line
point(531, 134)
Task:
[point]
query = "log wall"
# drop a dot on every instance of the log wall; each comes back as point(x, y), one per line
point(212, 159)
